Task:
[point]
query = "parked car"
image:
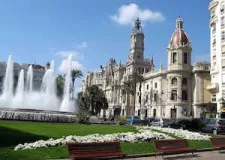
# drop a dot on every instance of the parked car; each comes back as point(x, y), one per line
point(147, 121)
point(214, 125)
point(133, 120)
point(178, 123)
point(161, 122)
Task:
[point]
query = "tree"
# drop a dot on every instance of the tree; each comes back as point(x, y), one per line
point(127, 90)
point(75, 74)
point(92, 100)
point(211, 108)
point(136, 78)
point(129, 87)
point(83, 102)
point(60, 85)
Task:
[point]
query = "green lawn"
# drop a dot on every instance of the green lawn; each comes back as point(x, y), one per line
point(13, 133)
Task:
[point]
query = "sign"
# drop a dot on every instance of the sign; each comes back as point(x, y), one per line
point(222, 109)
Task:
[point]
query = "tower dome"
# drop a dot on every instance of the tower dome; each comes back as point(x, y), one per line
point(179, 37)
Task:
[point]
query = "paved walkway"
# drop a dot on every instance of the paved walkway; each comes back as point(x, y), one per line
point(210, 155)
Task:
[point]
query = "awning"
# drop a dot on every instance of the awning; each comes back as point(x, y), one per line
point(222, 109)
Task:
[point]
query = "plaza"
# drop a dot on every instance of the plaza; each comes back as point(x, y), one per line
point(132, 80)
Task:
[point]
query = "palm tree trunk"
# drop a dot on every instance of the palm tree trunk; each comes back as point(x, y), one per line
point(133, 108)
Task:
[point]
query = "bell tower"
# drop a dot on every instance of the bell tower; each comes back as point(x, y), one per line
point(179, 49)
point(137, 43)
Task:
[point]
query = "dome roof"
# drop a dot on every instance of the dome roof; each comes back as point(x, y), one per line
point(179, 37)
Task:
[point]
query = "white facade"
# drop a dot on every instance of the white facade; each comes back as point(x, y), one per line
point(217, 52)
point(169, 93)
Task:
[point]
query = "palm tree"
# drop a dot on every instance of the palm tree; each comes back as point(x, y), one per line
point(60, 85)
point(75, 74)
point(127, 90)
point(136, 78)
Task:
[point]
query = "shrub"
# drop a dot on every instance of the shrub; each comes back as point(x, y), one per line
point(192, 125)
point(82, 117)
point(120, 120)
point(196, 124)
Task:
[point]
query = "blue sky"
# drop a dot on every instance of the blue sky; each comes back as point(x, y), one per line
point(37, 31)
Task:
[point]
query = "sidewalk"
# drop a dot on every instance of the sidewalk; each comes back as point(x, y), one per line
point(209, 155)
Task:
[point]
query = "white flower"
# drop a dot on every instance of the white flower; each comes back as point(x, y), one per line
point(144, 134)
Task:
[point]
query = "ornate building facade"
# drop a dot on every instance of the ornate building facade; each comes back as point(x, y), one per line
point(217, 54)
point(176, 92)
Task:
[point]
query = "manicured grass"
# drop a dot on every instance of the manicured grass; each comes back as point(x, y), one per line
point(57, 130)
point(13, 133)
point(198, 144)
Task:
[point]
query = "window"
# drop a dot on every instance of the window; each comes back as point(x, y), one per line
point(223, 63)
point(222, 7)
point(223, 78)
point(184, 81)
point(213, 27)
point(223, 49)
point(185, 58)
point(155, 97)
point(146, 99)
point(213, 14)
point(174, 81)
point(222, 21)
point(155, 85)
point(213, 98)
point(214, 42)
point(174, 95)
point(223, 35)
point(174, 57)
point(184, 95)
point(147, 86)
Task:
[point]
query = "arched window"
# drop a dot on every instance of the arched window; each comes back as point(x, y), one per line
point(184, 81)
point(174, 57)
point(155, 85)
point(155, 97)
point(185, 58)
point(184, 95)
point(146, 99)
point(174, 81)
point(174, 95)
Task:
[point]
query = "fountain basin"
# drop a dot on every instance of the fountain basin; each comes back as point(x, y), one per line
point(36, 115)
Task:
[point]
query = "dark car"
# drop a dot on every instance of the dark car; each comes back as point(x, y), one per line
point(147, 121)
point(178, 123)
point(133, 120)
point(214, 125)
point(161, 122)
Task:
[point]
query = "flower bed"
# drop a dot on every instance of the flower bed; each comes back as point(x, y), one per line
point(144, 134)
point(183, 133)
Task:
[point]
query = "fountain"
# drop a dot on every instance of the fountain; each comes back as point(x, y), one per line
point(42, 105)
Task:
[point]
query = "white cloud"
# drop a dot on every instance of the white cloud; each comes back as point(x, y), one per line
point(83, 45)
point(75, 65)
point(65, 54)
point(127, 14)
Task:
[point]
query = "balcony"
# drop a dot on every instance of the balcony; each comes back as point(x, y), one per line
point(213, 4)
point(213, 88)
